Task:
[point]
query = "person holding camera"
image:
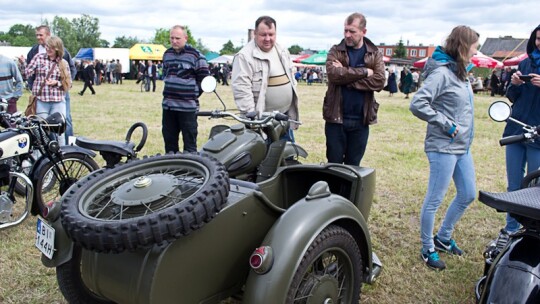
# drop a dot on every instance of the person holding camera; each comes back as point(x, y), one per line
point(524, 94)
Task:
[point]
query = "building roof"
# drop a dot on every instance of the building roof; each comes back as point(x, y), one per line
point(504, 47)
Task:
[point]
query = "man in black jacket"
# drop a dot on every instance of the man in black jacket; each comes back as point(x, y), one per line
point(87, 77)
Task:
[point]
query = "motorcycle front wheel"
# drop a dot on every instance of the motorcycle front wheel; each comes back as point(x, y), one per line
point(68, 276)
point(54, 179)
point(330, 271)
point(148, 201)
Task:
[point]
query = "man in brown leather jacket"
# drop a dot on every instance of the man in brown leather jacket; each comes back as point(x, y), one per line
point(355, 69)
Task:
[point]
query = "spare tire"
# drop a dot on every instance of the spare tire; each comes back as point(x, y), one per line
point(144, 202)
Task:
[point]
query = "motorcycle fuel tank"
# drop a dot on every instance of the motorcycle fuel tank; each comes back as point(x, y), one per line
point(241, 150)
point(13, 143)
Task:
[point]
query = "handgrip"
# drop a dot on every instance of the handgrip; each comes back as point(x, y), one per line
point(204, 113)
point(511, 139)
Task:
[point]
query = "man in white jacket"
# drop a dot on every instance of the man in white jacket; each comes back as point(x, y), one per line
point(262, 78)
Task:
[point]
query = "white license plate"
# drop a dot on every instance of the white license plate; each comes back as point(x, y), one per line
point(45, 238)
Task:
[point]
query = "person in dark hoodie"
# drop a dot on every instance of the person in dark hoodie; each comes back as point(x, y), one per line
point(525, 99)
point(445, 102)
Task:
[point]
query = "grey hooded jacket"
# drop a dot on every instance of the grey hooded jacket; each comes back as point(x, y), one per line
point(446, 103)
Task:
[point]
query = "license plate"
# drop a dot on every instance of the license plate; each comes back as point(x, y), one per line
point(45, 238)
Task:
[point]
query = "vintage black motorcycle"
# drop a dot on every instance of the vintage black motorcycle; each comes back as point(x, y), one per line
point(53, 168)
point(512, 265)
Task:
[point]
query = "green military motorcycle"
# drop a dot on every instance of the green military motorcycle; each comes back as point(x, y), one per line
point(178, 228)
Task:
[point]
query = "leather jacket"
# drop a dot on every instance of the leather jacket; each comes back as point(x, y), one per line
point(355, 78)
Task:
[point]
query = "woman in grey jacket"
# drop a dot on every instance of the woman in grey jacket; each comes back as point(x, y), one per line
point(445, 102)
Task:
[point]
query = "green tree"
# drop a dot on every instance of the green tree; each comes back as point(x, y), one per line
point(19, 35)
point(229, 49)
point(63, 28)
point(295, 49)
point(162, 36)
point(125, 42)
point(87, 29)
point(400, 51)
point(104, 43)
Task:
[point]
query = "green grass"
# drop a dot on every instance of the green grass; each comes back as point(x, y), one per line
point(395, 150)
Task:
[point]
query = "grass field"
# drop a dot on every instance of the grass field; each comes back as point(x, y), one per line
point(395, 150)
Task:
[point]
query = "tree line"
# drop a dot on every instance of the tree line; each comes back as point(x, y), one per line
point(83, 32)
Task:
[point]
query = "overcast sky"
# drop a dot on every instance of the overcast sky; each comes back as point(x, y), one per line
point(313, 24)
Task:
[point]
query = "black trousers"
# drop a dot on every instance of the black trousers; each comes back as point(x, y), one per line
point(88, 84)
point(174, 122)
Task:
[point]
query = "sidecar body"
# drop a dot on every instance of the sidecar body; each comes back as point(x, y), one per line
point(265, 241)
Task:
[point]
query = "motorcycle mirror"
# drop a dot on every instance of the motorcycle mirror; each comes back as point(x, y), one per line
point(208, 84)
point(499, 111)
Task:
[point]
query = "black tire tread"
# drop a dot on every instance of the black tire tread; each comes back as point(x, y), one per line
point(331, 236)
point(155, 228)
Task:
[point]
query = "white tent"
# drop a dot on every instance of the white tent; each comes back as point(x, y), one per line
point(222, 59)
point(14, 51)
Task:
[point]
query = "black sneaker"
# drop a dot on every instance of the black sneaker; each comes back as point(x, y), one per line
point(449, 247)
point(431, 258)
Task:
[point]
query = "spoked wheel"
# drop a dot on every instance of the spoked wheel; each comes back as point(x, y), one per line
point(531, 180)
point(52, 181)
point(330, 271)
point(144, 202)
point(68, 276)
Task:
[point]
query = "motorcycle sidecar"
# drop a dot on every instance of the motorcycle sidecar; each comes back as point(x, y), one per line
point(300, 235)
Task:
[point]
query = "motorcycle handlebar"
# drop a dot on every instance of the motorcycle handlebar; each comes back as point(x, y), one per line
point(512, 139)
point(249, 120)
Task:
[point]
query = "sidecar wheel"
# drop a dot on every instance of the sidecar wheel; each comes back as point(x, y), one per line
point(144, 202)
point(330, 271)
point(68, 276)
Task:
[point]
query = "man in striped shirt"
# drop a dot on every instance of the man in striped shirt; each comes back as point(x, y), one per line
point(184, 68)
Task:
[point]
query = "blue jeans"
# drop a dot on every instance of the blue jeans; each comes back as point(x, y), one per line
point(442, 168)
point(69, 122)
point(44, 109)
point(517, 157)
point(346, 143)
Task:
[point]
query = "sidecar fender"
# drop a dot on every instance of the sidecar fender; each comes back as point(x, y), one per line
point(291, 236)
point(294, 150)
point(63, 246)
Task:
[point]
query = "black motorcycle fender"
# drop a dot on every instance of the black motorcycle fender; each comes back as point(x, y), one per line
point(293, 150)
point(40, 162)
point(64, 149)
point(515, 274)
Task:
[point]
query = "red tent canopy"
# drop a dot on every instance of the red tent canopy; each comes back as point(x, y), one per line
point(301, 57)
point(482, 61)
point(515, 60)
point(420, 63)
point(479, 60)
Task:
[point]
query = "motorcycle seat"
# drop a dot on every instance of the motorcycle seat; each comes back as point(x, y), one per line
point(107, 146)
point(524, 202)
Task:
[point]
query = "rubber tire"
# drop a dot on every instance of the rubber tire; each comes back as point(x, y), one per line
point(42, 198)
point(339, 241)
point(68, 276)
point(143, 231)
point(531, 179)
